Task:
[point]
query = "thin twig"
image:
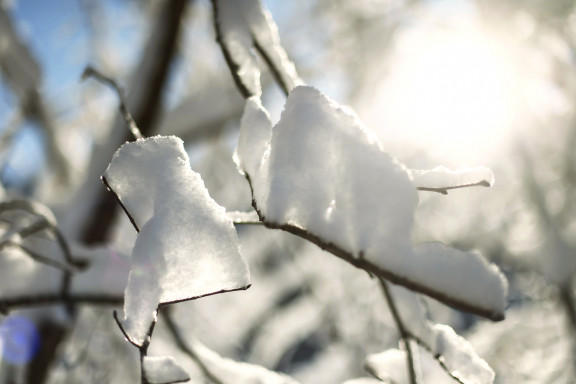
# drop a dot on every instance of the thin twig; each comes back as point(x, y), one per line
point(402, 330)
point(232, 65)
point(39, 258)
point(47, 222)
point(91, 72)
point(444, 190)
point(37, 300)
point(276, 72)
point(178, 339)
point(103, 178)
point(244, 218)
point(126, 336)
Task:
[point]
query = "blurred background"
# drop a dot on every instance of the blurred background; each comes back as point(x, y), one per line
point(442, 82)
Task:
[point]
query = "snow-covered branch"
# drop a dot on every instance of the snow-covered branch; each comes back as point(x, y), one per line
point(242, 25)
point(322, 175)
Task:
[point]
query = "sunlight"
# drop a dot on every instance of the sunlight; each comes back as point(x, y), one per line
point(450, 92)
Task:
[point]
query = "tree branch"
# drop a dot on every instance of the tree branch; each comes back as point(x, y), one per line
point(232, 65)
point(36, 300)
point(276, 73)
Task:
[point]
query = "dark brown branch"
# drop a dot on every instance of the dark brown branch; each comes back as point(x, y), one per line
point(444, 190)
point(37, 300)
point(121, 327)
point(401, 329)
point(121, 204)
point(276, 73)
point(91, 72)
point(232, 65)
point(359, 262)
point(142, 348)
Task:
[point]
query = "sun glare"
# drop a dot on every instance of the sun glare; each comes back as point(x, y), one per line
point(450, 92)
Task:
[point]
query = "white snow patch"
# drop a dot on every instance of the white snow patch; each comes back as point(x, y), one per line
point(243, 24)
point(187, 246)
point(162, 370)
point(460, 357)
point(230, 371)
point(325, 172)
point(389, 365)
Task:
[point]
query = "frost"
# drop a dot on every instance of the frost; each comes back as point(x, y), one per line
point(187, 246)
point(441, 179)
point(389, 365)
point(243, 25)
point(323, 175)
point(460, 358)
point(230, 371)
point(163, 370)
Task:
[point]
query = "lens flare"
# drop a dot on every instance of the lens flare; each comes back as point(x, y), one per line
point(19, 339)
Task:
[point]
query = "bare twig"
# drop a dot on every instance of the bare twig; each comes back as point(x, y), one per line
point(244, 218)
point(142, 348)
point(91, 72)
point(444, 190)
point(130, 217)
point(276, 72)
point(179, 340)
point(232, 65)
point(37, 300)
point(39, 258)
point(404, 334)
point(46, 222)
point(126, 336)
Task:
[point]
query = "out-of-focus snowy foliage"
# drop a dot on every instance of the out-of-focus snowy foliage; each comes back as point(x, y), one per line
point(484, 87)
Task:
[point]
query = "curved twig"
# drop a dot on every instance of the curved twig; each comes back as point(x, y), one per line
point(178, 339)
point(91, 72)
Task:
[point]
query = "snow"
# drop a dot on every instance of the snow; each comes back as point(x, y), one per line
point(324, 172)
point(460, 358)
point(161, 370)
point(244, 24)
point(187, 247)
point(389, 365)
point(442, 177)
point(230, 371)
